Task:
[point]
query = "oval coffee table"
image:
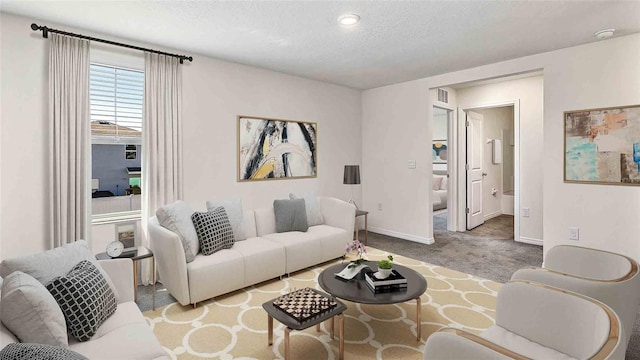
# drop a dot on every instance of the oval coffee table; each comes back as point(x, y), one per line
point(356, 290)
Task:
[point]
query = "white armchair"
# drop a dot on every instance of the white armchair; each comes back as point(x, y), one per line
point(536, 321)
point(605, 276)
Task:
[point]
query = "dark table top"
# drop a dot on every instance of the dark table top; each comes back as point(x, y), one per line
point(141, 252)
point(294, 324)
point(361, 212)
point(357, 290)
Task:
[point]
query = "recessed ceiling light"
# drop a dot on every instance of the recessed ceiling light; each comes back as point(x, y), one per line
point(349, 19)
point(604, 34)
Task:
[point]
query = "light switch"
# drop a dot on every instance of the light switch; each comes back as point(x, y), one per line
point(411, 164)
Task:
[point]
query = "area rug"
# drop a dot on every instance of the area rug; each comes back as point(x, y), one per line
point(234, 326)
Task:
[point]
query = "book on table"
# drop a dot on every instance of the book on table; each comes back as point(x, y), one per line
point(387, 288)
point(394, 279)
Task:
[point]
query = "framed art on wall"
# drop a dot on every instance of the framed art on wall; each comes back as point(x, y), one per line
point(271, 149)
point(439, 153)
point(602, 146)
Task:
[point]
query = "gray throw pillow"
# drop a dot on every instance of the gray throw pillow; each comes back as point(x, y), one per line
point(30, 312)
point(291, 215)
point(26, 351)
point(214, 230)
point(234, 211)
point(177, 218)
point(85, 299)
point(55, 262)
point(314, 215)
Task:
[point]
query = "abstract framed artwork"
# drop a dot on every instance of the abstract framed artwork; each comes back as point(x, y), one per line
point(270, 149)
point(602, 146)
point(439, 153)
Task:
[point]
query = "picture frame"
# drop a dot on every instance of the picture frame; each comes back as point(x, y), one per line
point(274, 149)
point(439, 151)
point(602, 146)
point(126, 234)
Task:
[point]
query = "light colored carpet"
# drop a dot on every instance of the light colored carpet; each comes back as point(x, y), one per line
point(234, 326)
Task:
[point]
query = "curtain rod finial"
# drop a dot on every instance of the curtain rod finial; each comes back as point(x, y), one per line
point(35, 27)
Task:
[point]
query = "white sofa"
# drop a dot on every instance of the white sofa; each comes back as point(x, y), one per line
point(440, 182)
point(125, 334)
point(264, 255)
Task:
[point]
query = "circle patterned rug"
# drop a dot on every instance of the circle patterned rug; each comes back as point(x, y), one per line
point(234, 326)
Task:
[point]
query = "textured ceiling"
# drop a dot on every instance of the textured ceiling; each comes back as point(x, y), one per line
point(395, 41)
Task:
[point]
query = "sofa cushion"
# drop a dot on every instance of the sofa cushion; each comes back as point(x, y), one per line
point(235, 214)
point(444, 185)
point(177, 218)
point(125, 335)
point(214, 230)
point(30, 312)
point(215, 275)
point(314, 215)
point(291, 215)
point(265, 221)
point(333, 240)
point(27, 351)
point(263, 259)
point(52, 263)
point(302, 249)
point(85, 299)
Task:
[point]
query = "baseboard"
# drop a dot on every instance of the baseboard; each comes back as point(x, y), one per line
point(418, 239)
point(492, 215)
point(528, 240)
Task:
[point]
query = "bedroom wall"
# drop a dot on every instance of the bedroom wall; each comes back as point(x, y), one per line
point(599, 74)
point(214, 93)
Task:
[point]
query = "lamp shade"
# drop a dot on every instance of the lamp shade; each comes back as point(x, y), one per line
point(351, 174)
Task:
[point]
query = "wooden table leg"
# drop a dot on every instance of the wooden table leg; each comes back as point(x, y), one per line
point(153, 268)
point(419, 318)
point(318, 328)
point(357, 228)
point(332, 328)
point(286, 343)
point(135, 280)
point(366, 232)
point(341, 324)
point(270, 329)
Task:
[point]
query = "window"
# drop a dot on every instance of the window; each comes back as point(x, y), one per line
point(116, 99)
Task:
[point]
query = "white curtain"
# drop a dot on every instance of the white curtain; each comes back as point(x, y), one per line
point(161, 144)
point(68, 139)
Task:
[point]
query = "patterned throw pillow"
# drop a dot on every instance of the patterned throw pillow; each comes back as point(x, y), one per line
point(26, 351)
point(214, 230)
point(85, 298)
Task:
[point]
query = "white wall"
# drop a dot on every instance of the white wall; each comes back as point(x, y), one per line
point(214, 93)
point(529, 92)
point(594, 75)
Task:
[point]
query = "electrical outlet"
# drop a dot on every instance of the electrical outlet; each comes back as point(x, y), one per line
point(379, 206)
point(525, 212)
point(574, 233)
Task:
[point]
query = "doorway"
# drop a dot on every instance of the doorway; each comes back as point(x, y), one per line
point(490, 169)
point(490, 174)
point(441, 155)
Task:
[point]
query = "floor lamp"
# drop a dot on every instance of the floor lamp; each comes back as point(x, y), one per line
point(352, 177)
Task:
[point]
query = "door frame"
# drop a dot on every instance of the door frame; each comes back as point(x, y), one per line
point(461, 162)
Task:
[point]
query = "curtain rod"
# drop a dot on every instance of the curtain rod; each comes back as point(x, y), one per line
point(46, 30)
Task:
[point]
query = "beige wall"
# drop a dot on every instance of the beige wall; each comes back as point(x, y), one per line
point(214, 93)
point(595, 75)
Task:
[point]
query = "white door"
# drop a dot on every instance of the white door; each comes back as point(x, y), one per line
point(475, 149)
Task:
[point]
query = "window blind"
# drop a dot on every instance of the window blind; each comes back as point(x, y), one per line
point(116, 100)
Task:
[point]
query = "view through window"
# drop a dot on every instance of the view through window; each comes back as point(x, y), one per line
point(116, 101)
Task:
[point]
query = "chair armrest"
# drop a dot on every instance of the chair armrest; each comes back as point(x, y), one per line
point(338, 213)
point(170, 261)
point(450, 343)
point(120, 271)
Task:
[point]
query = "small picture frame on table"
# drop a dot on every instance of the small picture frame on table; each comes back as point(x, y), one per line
point(126, 234)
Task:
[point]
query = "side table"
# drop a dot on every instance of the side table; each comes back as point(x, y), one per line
point(140, 253)
point(366, 232)
point(293, 324)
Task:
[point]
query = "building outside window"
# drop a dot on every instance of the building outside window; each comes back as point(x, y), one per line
point(116, 109)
